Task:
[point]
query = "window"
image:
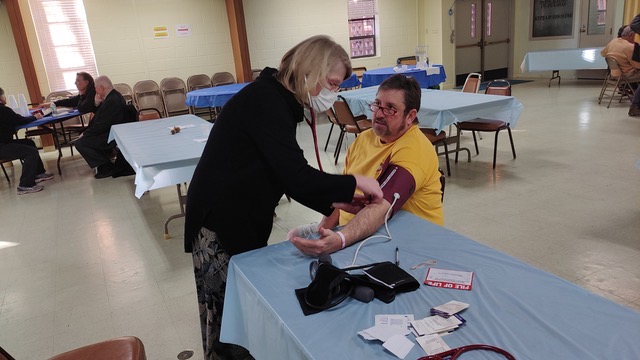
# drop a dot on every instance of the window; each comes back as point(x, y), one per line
point(65, 43)
point(362, 28)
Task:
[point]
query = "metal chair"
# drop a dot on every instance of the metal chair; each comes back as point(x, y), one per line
point(406, 60)
point(147, 95)
point(618, 82)
point(472, 83)
point(122, 348)
point(196, 82)
point(496, 87)
point(439, 139)
point(126, 92)
point(343, 117)
point(174, 96)
point(222, 78)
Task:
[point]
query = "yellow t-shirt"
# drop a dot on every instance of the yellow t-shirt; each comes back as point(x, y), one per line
point(413, 152)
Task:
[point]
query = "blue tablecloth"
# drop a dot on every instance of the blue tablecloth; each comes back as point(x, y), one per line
point(531, 313)
point(439, 109)
point(351, 82)
point(51, 119)
point(213, 96)
point(377, 76)
point(159, 158)
point(563, 59)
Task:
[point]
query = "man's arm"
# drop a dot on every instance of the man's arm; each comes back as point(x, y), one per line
point(365, 223)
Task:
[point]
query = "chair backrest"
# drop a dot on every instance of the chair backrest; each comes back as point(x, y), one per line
point(200, 81)
point(58, 95)
point(613, 66)
point(498, 87)
point(406, 60)
point(147, 95)
point(126, 91)
point(148, 114)
point(174, 95)
point(222, 78)
point(343, 114)
point(359, 71)
point(472, 84)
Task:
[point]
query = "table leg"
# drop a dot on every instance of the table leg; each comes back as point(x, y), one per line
point(182, 199)
point(56, 141)
point(555, 75)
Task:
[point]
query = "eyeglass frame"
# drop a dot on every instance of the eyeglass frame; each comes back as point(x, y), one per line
point(374, 107)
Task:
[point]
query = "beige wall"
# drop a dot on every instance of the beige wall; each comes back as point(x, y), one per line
point(11, 75)
point(269, 38)
point(129, 53)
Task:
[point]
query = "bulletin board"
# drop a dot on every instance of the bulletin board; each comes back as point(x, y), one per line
point(552, 19)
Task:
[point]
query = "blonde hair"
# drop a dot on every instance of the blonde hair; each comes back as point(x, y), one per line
point(312, 58)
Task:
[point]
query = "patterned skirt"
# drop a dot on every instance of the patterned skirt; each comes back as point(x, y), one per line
point(210, 264)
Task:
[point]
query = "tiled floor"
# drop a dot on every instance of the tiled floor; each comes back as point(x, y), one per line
point(85, 260)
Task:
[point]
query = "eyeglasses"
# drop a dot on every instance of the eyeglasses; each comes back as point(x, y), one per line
point(333, 86)
point(385, 110)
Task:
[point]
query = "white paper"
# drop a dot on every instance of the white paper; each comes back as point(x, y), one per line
point(432, 344)
point(384, 333)
point(435, 324)
point(401, 321)
point(398, 345)
point(365, 335)
point(452, 307)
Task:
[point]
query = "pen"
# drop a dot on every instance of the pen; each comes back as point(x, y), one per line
point(397, 259)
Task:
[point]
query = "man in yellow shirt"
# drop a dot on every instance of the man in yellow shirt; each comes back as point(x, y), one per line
point(402, 159)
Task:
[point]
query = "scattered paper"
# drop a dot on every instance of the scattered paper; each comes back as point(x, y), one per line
point(432, 344)
point(401, 321)
point(398, 345)
point(435, 324)
point(450, 308)
point(383, 333)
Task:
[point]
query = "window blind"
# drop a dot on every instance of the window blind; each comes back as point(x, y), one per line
point(64, 40)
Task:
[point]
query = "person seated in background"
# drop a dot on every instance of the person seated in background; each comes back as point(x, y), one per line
point(84, 101)
point(25, 149)
point(621, 50)
point(403, 160)
point(92, 143)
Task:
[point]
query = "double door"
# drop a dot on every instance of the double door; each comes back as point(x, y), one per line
point(482, 40)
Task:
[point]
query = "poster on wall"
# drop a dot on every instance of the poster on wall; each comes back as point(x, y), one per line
point(552, 18)
point(183, 30)
point(160, 32)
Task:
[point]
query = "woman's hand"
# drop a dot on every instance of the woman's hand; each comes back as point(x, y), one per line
point(369, 187)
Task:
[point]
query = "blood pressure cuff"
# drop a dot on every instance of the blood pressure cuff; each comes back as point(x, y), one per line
point(395, 179)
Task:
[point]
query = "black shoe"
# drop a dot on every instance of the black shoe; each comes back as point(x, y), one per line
point(104, 171)
point(634, 110)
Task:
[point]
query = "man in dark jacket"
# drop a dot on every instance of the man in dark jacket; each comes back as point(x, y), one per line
point(92, 144)
point(25, 149)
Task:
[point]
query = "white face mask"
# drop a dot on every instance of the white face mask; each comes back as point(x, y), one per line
point(323, 101)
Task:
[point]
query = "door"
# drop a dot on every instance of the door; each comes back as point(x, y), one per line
point(482, 38)
point(596, 30)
